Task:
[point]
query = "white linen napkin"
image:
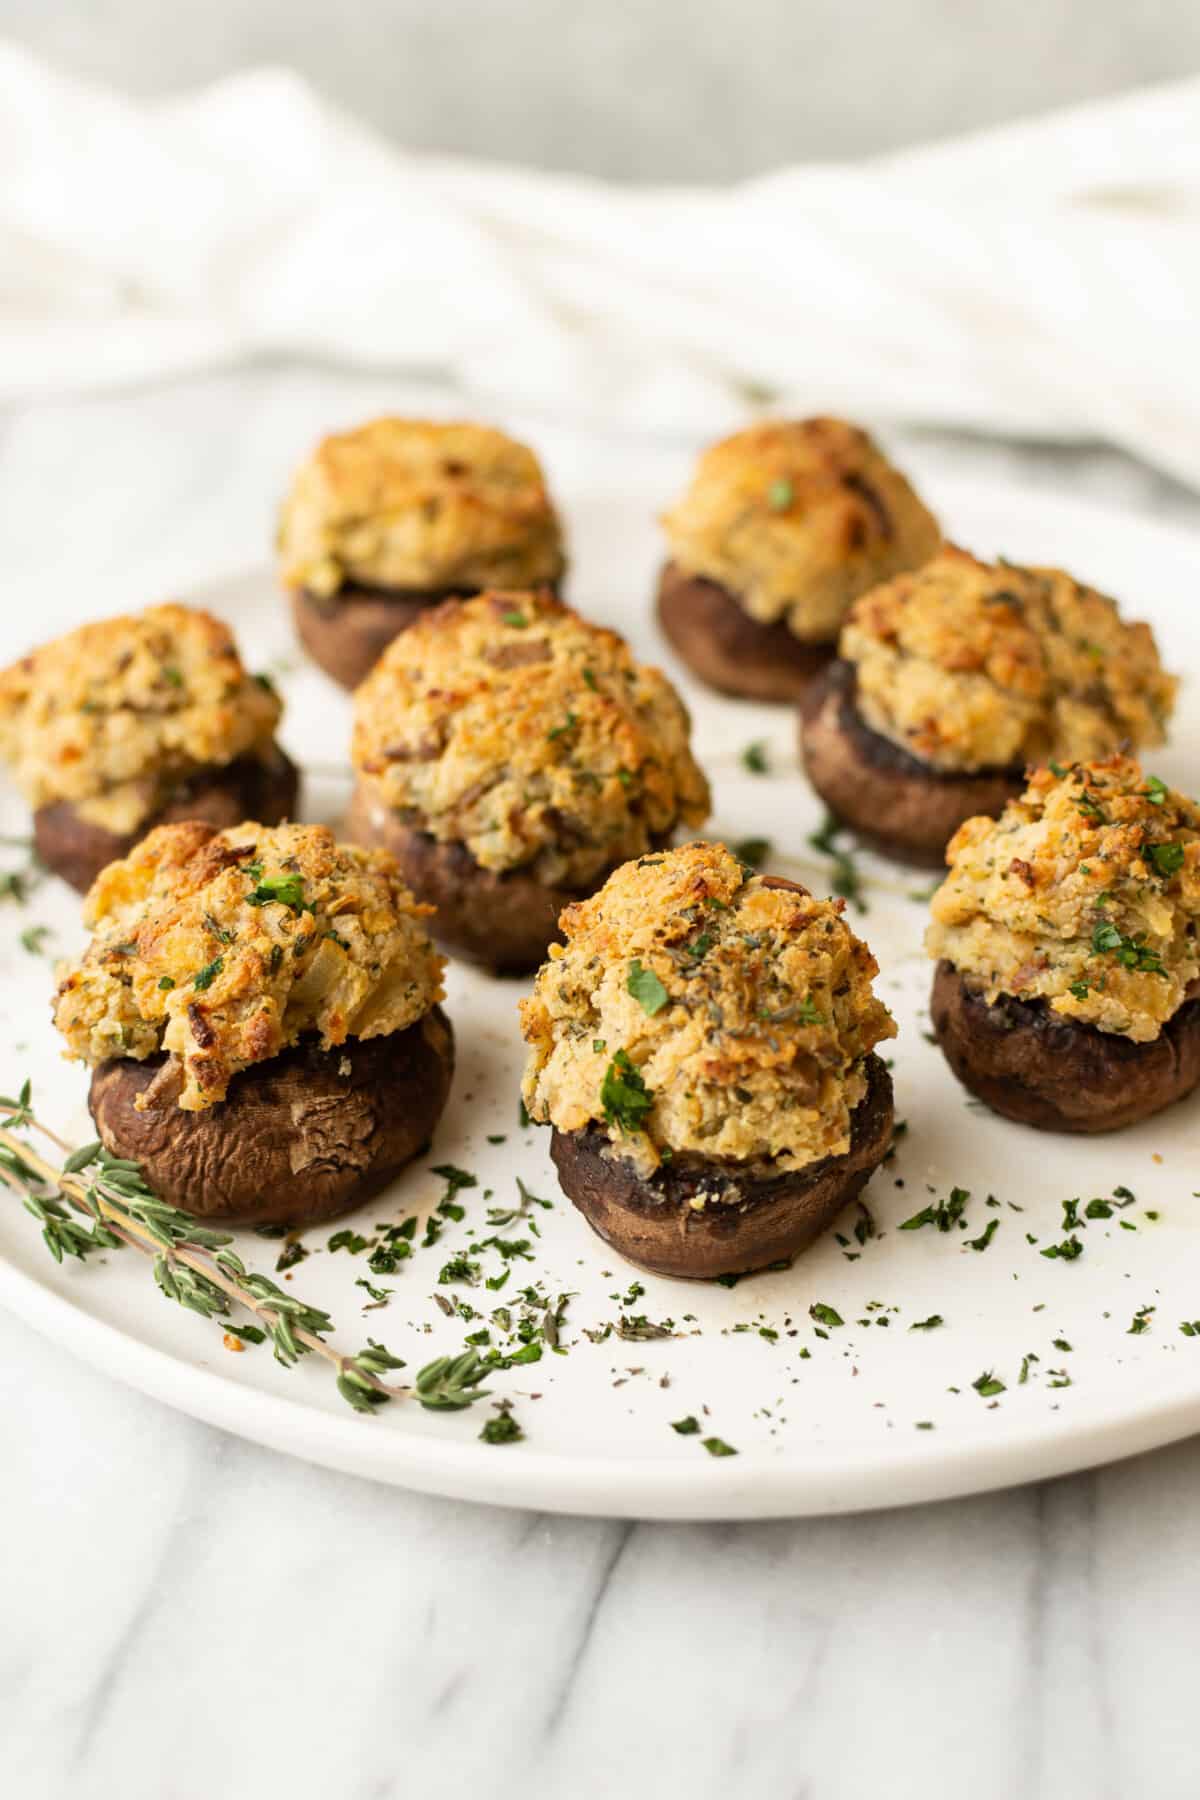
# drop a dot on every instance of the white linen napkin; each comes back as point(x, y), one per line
point(1040, 279)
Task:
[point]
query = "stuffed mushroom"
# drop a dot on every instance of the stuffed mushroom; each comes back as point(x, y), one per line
point(1067, 942)
point(395, 517)
point(952, 679)
point(260, 1010)
point(782, 527)
point(703, 1046)
point(510, 755)
point(135, 721)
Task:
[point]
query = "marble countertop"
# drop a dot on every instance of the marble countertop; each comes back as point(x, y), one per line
point(183, 1614)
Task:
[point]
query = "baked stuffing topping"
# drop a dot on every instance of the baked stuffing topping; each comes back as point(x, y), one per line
point(969, 665)
point(409, 503)
point(795, 519)
point(697, 1008)
point(509, 724)
point(115, 716)
point(223, 948)
point(1085, 893)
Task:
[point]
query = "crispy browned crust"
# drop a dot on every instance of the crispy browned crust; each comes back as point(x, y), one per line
point(504, 921)
point(864, 778)
point(248, 788)
point(300, 1138)
point(725, 647)
point(652, 1223)
point(1054, 1073)
point(348, 633)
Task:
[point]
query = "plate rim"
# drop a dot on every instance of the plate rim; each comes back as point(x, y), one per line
point(753, 1486)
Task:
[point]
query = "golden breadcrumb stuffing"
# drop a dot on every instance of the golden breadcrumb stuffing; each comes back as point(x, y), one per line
point(1085, 893)
point(970, 666)
point(796, 519)
point(735, 1008)
point(509, 724)
point(224, 947)
point(115, 716)
point(410, 503)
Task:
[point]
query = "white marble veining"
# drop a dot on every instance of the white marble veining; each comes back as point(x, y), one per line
point(182, 1614)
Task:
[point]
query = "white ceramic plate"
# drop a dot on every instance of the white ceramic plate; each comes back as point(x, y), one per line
point(872, 1414)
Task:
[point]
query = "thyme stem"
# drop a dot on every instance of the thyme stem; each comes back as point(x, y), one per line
point(125, 1211)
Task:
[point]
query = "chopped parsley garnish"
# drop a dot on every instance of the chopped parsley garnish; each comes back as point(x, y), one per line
point(204, 978)
point(249, 1334)
point(989, 1232)
point(1156, 790)
point(348, 1240)
point(780, 495)
point(568, 724)
point(286, 890)
point(1167, 858)
point(379, 1295)
point(1130, 952)
point(514, 618)
point(988, 1384)
point(686, 1427)
point(623, 1094)
point(459, 1268)
point(646, 989)
point(457, 1178)
point(165, 984)
point(929, 1324)
point(1091, 809)
point(33, 937)
point(825, 1315)
point(718, 1447)
point(503, 1429)
point(172, 675)
point(754, 758)
point(1067, 1251)
point(945, 1215)
point(699, 947)
point(1141, 1321)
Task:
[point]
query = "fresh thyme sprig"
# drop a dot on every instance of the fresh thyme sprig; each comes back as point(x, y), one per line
point(194, 1265)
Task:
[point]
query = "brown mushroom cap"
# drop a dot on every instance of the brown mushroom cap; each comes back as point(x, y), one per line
point(1033, 1066)
point(302, 1137)
point(248, 788)
point(653, 1223)
point(864, 779)
point(505, 920)
point(727, 649)
point(348, 633)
